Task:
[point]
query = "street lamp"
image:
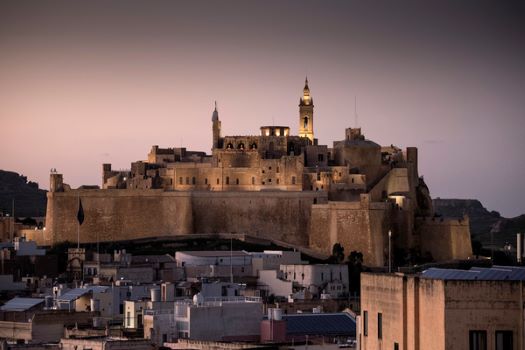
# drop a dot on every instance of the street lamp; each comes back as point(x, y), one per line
point(389, 251)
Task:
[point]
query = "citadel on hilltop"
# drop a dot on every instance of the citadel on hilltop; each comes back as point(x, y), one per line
point(275, 185)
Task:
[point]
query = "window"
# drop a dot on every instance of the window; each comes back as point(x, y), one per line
point(206, 181)
point(322, 276)
point(504, 340)
point(180, 180)
point(293, 180)
point(193, 180)
point(379, 325)
point(478, 340)
point(253, 181)
point(277, 181)
point(365, 323)
point(227, 180)
point(277, 170)
point(237, 181)
point(218, 181)
point(396, 346)
point(187, 180)
point(305, 125)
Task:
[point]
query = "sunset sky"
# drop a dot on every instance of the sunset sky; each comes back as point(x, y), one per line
point(89, 82)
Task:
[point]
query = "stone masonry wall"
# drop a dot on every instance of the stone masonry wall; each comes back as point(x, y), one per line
point(445, 239)
point(359, 226)
point(113, 215)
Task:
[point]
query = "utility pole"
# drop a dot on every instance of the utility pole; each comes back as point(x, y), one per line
point(12, 219)
point(389, 251)
point(231, 257)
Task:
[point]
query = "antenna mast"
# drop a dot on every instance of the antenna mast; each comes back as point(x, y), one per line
point(355, 112)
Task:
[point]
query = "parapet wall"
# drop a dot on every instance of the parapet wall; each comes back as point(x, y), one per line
point(114, 215)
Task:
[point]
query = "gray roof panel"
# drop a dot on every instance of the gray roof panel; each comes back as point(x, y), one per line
point(21, 304)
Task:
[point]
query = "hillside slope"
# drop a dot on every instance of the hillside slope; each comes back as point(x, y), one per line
point(29, 200)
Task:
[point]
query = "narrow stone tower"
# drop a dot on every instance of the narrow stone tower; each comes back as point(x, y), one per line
point(306, 114)
point(216, 128)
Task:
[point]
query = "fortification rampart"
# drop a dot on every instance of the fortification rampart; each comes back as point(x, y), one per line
point(361, 226)
point(445, 238)
point(114, 215)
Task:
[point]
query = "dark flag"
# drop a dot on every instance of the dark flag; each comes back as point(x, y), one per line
point(80, 214)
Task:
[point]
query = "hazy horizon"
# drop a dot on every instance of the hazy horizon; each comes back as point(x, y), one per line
point(86, 83)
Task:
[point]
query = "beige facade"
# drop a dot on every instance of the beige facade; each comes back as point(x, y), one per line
point(412, 313)
point(274, 185)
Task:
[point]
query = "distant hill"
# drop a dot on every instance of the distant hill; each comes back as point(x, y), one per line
point(482, 221)
point(29, 199)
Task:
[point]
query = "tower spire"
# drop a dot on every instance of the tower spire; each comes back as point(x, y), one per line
point(216, 128)
point(215, 115)
point(306, 113)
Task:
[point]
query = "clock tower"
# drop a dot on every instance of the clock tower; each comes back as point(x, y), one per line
point(306, 114)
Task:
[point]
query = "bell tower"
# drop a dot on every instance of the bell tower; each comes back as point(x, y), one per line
point(216, 128)
point(306, 114)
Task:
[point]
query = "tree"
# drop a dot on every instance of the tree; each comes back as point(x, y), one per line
point(355, 267)
point(338, 253)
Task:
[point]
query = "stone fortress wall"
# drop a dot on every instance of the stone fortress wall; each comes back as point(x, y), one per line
point(275, 186)
point(113, 215)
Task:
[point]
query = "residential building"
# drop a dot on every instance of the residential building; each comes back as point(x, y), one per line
point(477, 309)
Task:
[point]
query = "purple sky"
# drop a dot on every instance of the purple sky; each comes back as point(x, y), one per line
point(85, 83)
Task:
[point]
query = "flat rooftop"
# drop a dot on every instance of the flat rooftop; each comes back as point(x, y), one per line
point(495, 273)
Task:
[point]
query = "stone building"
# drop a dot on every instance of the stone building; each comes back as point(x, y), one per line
point(478, 309)
point(274, 185)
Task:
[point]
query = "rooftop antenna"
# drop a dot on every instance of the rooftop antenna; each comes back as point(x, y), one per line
point(355, 112)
